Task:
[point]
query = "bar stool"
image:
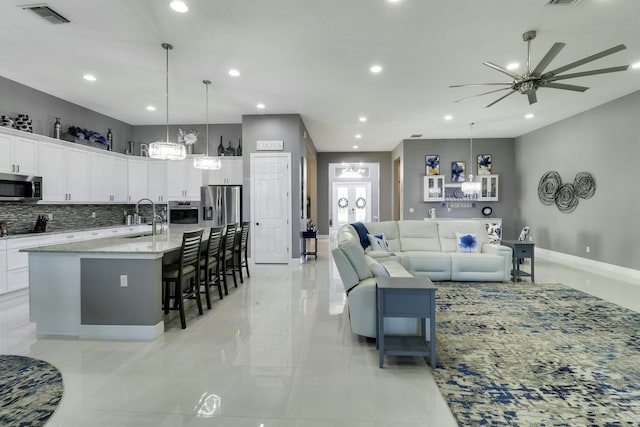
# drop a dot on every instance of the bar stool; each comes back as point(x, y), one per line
point(228, 255)
point(186, 269)
point(209, 263)
point(241, 249)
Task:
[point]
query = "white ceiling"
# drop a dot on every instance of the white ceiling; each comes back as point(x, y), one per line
point(312, 57)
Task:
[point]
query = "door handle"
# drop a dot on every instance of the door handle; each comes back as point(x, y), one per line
point(257, 223)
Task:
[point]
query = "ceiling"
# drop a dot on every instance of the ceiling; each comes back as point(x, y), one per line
point(312, 57)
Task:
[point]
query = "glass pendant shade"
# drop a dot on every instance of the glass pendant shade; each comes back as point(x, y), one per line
point(167, 150)
point(206, 162)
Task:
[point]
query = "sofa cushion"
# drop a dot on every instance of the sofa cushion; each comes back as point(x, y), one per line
point(377, 269)
point(395, 269)
point(355, 254)
point(467, 243)
point(477, 267)
point(419, 236)
point(447, 232)
point(434, 265)
point(390, 231)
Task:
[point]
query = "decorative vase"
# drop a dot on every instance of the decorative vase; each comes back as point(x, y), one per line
point(109, 140)
point(239, 150)
point(57, 128)
point(220, 148)
point(230, 151)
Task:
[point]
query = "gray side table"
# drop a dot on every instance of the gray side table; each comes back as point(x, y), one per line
point(406, 297)
point(521, 250)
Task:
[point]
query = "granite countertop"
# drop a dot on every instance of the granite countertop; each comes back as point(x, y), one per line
point(74, 230)
point(169, 240)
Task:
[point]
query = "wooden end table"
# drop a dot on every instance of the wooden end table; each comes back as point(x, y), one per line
point(310, 235)
point(413, 297)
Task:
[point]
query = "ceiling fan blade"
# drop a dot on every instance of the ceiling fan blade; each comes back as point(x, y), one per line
point(583, 61)
point(480, 94)
point(553, 52)
point(502, 70)
point(532, 97)
point(589, 73)
point(565, 87)
point(501, 98)
point(482, 84)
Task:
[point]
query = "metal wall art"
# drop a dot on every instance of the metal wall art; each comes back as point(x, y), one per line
point(565, 196)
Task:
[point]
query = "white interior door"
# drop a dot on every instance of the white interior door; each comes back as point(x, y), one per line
point(270, 207)
point(350, 203)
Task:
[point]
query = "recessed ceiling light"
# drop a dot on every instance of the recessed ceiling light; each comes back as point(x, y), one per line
point(529, 116)
point(635, 65)
point(355, 147)
point(89, 77)
point(363, 119)
point(151, 108)
point(358, 136)
point(448, 117)
point(513, 66)
point(394, 1)
point(375, 69)
point(261, 106)
point(234, 73)
point(179, 6)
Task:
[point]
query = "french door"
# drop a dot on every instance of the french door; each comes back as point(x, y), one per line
point(350, 202)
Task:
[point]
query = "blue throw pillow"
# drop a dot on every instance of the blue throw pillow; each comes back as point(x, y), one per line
point(378, 242)
point(467, 243)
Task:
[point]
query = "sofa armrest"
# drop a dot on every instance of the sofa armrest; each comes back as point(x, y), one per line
point(495, 249)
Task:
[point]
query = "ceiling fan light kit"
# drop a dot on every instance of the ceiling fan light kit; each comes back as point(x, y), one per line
point(529, 82)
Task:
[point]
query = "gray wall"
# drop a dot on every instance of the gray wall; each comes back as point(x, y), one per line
point(502, 152)
point(290, 129)
point(386, 181)
point(604, 142)
point(229, 132)
point(43, 109)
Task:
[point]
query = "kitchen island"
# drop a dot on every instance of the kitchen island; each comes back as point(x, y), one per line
point(101, 289)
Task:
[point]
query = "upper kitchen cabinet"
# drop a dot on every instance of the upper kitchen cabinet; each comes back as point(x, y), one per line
point(184, 180)
point(108, 178)
point(138, 175)
point(157, 180)
point(229, 174)
point(65, 171)
point(19, 155)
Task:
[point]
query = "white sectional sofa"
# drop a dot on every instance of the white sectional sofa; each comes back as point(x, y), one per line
point(415, 248)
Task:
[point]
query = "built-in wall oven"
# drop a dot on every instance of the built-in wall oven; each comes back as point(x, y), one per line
point(184, 212)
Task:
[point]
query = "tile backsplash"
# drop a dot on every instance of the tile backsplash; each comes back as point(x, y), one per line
point(21, 217)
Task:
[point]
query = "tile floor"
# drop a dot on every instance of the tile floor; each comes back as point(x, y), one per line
point(277, 352)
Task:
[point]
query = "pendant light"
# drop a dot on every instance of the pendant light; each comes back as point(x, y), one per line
point(206, 162)
point(470, 188)
point(167, 150)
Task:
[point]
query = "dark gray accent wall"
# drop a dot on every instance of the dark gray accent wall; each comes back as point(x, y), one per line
point(43, 109)
point(383, 158)
point(604, 142)
point(231, 132)
point(502, 151)
point(290, 129)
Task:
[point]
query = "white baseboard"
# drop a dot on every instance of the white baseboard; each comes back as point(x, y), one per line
point(597, 267)
point(122, 332)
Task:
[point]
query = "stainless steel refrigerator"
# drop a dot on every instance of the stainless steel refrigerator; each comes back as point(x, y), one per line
point(221, 205)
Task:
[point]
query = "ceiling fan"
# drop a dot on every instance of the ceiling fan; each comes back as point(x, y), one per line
point(529, 82)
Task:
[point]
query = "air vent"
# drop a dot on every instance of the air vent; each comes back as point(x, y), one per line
point(45, 11)
point(564, 2)
point(416, 135)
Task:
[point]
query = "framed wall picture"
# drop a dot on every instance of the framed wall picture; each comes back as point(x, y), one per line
point(458, 171)
point(484, 164)
point(432, 164)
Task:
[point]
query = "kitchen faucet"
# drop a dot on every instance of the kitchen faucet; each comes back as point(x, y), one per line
point(155, 217)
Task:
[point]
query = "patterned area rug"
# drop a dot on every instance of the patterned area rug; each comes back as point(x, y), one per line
point(542, 354)
point(30, 391)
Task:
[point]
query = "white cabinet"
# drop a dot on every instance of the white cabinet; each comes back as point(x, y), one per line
point(434, 188)
point(184, 181)
point(157, 183)
point(3, 267)
point(19, 155)
point(108, 178)
point(229, 174)
point(17, 269)
point(488, 188)
point(138, 179)
point(65, 172)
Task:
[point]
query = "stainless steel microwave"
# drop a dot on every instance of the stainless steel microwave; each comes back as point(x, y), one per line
point(20, 188)
point(184, 212)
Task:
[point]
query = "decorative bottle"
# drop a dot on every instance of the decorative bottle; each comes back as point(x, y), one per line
point(109, 140)
point(220, 148)
point(239, 150)
point(57, 128)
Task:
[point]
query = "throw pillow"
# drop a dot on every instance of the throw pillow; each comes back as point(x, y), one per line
point(378, 242)
point(467, 243)
point(377, 269)
point(355, 254)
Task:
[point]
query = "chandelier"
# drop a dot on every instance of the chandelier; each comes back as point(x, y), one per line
point(166, 150)
point(206, 162)
point(471, 189)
